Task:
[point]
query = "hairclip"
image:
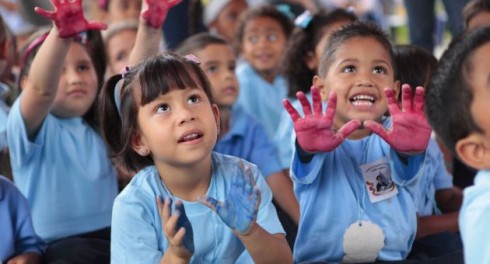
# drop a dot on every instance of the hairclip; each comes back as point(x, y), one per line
point(285, 9)
point(125, 71)
point(192, 58)
point(304, 20)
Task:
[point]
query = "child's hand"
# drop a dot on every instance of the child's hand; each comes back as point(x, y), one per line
point(156, 11)
point(177, 228)
point(410, 131)
point(242, 202)
point(68, 18)
point(315, 132)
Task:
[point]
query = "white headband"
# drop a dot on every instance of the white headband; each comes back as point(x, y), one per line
point(212, 10)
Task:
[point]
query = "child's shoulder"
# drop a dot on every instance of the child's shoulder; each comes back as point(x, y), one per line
point(7, 188)
point(144, 182)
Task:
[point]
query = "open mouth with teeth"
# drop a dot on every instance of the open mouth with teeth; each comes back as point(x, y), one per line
point(190, 137)
point(362, 100)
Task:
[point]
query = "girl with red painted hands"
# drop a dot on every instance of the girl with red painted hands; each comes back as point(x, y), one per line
point(337, 157)
point(60, 162)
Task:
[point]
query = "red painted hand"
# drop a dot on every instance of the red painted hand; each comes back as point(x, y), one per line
point(156, 11)
point(68, 18)
point(410, 131)
point(315, 132)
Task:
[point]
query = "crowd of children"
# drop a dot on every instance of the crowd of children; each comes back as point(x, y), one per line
point(266, 139)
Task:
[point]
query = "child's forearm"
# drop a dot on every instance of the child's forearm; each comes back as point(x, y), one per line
point(43, 79)
point(147, 42)
point(434, 224)
point(168, 257)
point(266, 248)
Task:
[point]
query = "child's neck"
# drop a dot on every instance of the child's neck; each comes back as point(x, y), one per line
point(187, 182)
point(268, 75)
point(225, 120)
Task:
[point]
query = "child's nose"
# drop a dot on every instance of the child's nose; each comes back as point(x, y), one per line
point(185, 115)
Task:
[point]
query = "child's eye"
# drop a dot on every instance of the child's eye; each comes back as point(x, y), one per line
point(253, 39)
point(194, 99)
point(82, 67)
point(380, 70)
point(232, 67)
point(349, 68)
point(272, 37)
point(211, 69)
point(163, 108)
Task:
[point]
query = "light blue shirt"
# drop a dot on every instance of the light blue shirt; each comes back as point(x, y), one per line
point(474, 218)
point(260, 98)
point(248, 140)
point(65, 174)
point(17, 234)
point(435, 177)
point(332, 196)
point(137, 235)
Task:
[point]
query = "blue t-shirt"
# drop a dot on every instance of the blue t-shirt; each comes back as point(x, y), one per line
point(248, 140)
point(260, 98)
point(137, 235)
point(65, 174)
point(436, 177)
point(332, 194)
point(474, 217)
point(17, 235)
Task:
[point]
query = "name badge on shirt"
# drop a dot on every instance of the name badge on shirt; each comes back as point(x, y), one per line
point(378, 180)
point(362, 242)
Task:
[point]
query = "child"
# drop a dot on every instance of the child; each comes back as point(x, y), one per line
point(457, 108)
point(336, 157)
point(262, 34)
point(476, 13)
point(59, 161)
point(162, 120)
point(221, 17)
point(301, 64)
point(240, 134)
point(438, 201)
point(19, 243)
point(120, 10)
point(119, 40)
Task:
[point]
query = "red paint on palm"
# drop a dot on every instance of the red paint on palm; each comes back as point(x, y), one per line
point(157, 10)
point(315, 131)
point(410, 131)
point(68, 18)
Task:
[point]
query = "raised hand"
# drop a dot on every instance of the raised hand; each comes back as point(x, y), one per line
point(410, 131)
point(315, 132)
point(68, 18)
point(177, 228)
point(241, 205)
point(156, 11)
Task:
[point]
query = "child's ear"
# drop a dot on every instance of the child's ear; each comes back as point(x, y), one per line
point(138, 144)
point(217, 117)
point(318, 82)
point(311, 61)
point(397, 87)
point(474, 151)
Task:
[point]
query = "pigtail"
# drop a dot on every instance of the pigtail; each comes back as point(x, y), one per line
point(110, 119)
